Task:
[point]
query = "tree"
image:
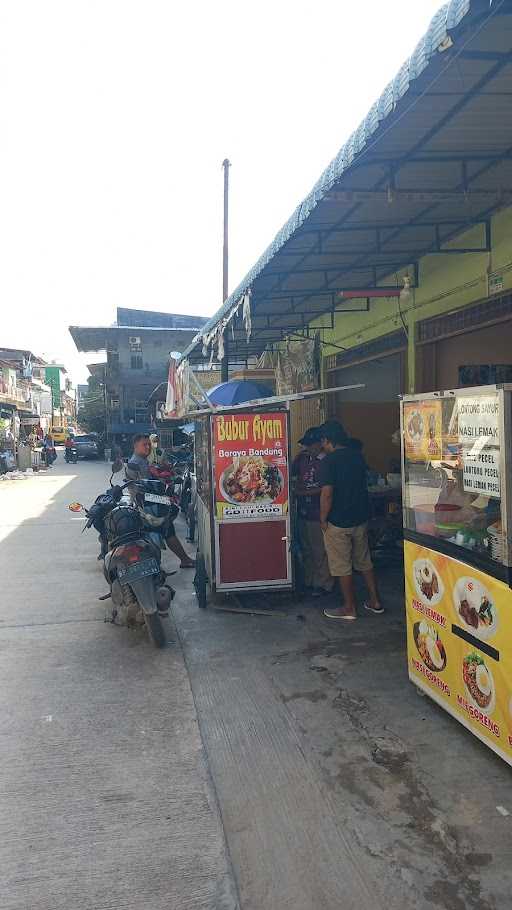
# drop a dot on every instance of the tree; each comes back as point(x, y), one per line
point(91, 415)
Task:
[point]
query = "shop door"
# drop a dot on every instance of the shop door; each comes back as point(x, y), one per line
point(372, 414)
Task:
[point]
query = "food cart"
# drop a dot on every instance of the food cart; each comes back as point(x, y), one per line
point(242, 461)
point(457, 499)
point(242, 474)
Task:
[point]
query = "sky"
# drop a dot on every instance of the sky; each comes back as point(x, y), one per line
point(115, 117)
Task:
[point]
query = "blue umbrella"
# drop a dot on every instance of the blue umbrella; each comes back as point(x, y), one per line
point(236, 391)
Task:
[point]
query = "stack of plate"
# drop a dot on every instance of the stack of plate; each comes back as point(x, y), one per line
point(496, 543)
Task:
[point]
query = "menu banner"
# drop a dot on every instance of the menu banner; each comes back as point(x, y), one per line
point(479, 437)
point(250, 452)
point(479, 417)
point(423, 427)
point(458, 642)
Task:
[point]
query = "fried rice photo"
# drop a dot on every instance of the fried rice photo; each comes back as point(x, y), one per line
point(477, 679)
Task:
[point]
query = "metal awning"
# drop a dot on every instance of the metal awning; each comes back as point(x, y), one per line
point(105, 338)
point(432, 160)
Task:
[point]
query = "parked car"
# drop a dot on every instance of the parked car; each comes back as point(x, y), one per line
point(88, 445)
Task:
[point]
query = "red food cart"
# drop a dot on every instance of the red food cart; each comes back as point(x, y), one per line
point(242, 457)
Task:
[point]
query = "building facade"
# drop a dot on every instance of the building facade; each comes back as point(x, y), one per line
point(25, 400)
point(137, 361)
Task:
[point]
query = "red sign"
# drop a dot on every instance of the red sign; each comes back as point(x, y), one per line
point(251, 465)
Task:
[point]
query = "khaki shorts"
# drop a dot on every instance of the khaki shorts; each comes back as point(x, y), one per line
point(347, 548)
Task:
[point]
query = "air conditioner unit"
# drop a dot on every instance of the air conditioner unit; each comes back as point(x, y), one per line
point(134, 339)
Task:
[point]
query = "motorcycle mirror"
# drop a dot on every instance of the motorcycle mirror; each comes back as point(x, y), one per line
point(117, 466)
point(75, 507)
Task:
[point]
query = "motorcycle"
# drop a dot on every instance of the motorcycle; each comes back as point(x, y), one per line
point(188, 503)
point(71, 455)
point(129, 532)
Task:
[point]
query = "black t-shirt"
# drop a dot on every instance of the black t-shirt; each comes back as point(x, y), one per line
point(345, 471)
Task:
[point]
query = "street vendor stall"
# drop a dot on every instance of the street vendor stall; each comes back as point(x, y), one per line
point(242, 470)
point(456, 452)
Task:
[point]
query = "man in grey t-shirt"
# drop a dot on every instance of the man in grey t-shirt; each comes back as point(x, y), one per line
point(138, 468)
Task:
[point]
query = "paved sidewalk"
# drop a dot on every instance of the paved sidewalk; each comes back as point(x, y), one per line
point(106, 801)
point(339, 785)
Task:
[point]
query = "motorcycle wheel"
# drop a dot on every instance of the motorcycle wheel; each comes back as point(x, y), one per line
point(155, 629)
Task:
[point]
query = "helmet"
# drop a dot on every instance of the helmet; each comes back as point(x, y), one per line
point(123, 521)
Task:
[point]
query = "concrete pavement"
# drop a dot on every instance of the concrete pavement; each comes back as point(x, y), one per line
point(336, 785)
point(339, 786)
point(105, 798)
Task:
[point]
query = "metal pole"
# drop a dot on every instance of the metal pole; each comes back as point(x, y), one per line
point(224, 367)
point(225, 252)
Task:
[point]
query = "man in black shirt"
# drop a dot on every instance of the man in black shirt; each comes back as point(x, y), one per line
point(344, 513)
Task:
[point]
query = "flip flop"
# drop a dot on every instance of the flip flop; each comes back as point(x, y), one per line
point(348, 617)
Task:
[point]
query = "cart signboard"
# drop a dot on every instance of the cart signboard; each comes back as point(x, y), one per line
point(458, 642)
point(250, 453)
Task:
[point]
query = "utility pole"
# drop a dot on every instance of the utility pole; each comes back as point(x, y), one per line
point(224, 366)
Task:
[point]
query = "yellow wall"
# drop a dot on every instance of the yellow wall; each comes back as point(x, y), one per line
point(447, 283)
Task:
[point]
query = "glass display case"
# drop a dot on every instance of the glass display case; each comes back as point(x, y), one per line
point(455, 454)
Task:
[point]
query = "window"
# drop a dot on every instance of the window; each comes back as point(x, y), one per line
point(141, 412)
point(136, 362)
point(453, 472)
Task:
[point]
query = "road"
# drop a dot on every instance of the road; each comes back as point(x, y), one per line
point(106, 802)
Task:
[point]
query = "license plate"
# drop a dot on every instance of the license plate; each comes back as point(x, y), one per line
point(137, 570)
point(154, 497)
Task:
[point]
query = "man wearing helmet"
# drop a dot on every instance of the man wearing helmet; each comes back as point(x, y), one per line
point(138, 468)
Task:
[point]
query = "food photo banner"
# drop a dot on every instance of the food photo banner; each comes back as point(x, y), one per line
point(250, 465)
point(458, 642)
point(423, 427)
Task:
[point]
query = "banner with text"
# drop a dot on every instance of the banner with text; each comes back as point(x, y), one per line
point(250, 465)
point(479, 437)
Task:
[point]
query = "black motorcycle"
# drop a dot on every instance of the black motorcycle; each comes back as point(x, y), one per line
point(132, 545)
point(71, 455)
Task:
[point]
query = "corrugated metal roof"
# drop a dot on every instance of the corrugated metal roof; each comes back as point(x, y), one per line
point(153, 319)
point(437, 36)
point(96, 338)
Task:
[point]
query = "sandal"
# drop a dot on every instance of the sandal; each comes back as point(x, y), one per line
point(340, 617)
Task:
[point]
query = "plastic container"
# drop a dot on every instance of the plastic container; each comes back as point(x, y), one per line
point(424, 516)
point(430, 517)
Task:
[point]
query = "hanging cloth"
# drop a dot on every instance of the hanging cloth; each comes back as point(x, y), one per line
point(246, 311)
